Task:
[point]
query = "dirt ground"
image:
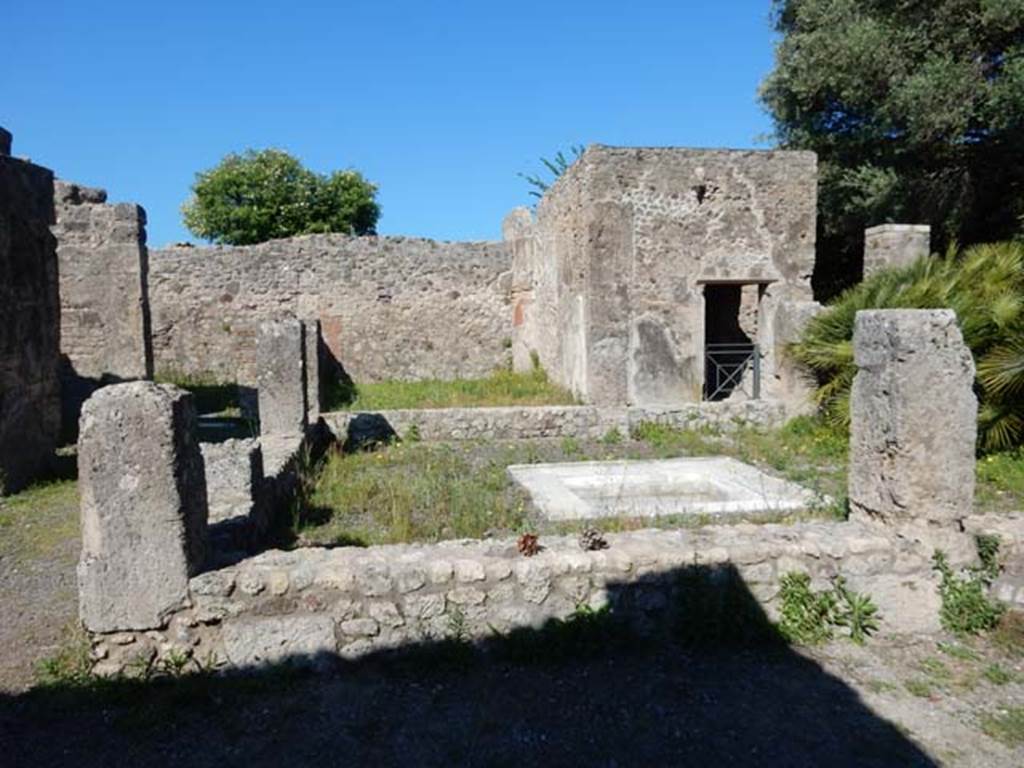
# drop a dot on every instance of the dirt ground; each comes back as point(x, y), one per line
point(897, 701)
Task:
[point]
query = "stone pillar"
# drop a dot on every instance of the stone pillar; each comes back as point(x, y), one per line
point(5, 141)
point(280, 349)
point(143, 505)
point(913, 420)
point(894, 245)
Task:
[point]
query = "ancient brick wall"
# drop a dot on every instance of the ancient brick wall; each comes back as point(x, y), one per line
point(29, 320)
point(627, 240)
point(389, 307)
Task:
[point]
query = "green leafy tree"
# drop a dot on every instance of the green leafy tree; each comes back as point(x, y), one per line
point(916, 111)
point(262, 195)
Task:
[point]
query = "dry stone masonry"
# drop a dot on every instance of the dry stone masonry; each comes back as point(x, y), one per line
point(143, 502)
point(29, 320)
point(913, 419)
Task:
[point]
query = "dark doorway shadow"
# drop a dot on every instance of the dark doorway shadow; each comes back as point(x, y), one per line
point(682, 669)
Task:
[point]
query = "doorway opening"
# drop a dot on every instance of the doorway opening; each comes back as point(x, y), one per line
point(731, 358)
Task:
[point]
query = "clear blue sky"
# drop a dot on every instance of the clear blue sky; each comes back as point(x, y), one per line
point(441, 103)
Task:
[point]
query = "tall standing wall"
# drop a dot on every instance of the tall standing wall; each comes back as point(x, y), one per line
point(612, 294)
point(389, 307)
point(29, 320)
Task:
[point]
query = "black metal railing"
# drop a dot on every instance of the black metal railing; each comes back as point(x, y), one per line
point(726, 367)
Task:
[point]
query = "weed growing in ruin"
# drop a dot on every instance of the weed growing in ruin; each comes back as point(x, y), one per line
point(966, 608)
point(805, 615)
point(810, 617)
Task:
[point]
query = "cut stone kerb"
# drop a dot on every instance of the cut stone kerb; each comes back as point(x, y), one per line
point(143, 505)
point(913, 418)
point(280, 350)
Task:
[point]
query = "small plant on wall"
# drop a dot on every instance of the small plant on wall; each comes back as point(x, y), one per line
point(810, 617)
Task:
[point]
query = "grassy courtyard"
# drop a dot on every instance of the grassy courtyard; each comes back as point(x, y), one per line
point(503, 387)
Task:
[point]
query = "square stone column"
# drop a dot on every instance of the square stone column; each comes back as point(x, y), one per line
point(143, 505)
point(895, 245)
point(280, 377)
point(913, 419)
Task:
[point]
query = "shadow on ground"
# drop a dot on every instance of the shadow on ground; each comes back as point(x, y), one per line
point(709, 684)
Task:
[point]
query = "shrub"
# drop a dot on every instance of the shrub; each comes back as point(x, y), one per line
point(261, 195)
point(966, 609)
point(984, 285)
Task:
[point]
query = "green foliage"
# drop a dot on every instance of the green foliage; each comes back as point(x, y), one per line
point(808, 617)
point(556, 167)
point(503, 387)
point(1006, 726)
point(612, 437)
point(915, 110)
point(984, 285)
point(262, 195)
point(855, 611)
point(997, 674)
point(966, 609)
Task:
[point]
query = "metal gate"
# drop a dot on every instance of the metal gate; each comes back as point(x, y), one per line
point(725, 370)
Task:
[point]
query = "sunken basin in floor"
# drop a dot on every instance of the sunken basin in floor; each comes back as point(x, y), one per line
point(714, 486)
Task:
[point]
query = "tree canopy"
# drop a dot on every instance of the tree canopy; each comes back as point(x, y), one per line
point(262, 195)
point(916, 111)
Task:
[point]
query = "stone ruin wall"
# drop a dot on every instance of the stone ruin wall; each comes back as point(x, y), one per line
point(101, 250)
point(317, 606)
point(29, 320)
point(389, 307)
point(623, 243)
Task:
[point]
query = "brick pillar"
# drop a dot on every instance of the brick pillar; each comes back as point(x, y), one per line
point(143, 505)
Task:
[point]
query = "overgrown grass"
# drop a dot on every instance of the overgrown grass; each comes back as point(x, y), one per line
point(503, 387)
point(39, 520)
point(410, 492)
point(1006, 726)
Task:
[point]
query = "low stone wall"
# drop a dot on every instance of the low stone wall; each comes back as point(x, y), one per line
point(579, 421)
point(315, 605)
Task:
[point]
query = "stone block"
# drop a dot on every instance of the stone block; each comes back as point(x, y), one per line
point(894, 245)
point(143, 505)
point(280, 378)
point(301, 640)
point(6, 139)
point(234, 480)
point(913, 418)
